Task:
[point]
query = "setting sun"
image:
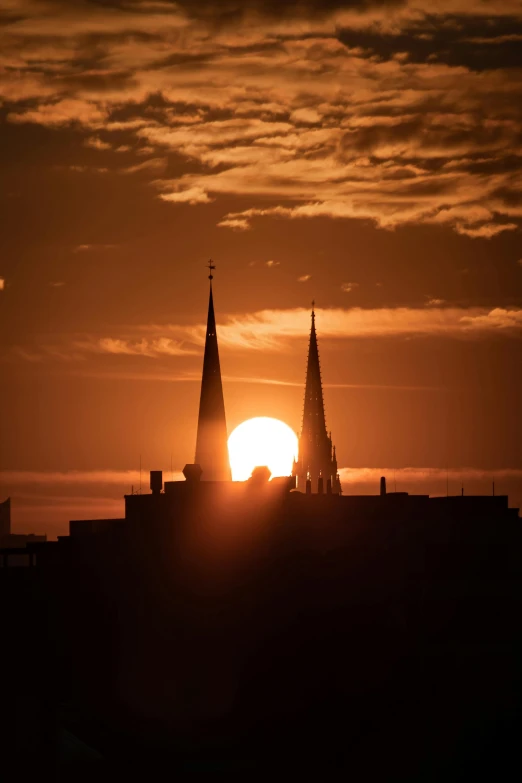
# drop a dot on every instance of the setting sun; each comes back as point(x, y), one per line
point(262, 441)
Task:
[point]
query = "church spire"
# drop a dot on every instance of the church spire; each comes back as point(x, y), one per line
point(314, 422)
point(316, 457)
point(211, 442)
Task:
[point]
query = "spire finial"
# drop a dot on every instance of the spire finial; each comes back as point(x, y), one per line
point(313, 310)
point(210, 267)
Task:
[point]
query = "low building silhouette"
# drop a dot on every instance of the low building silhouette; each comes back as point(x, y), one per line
point(226, 621)
point(14, 546)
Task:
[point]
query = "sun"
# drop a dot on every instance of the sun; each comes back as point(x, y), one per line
point(262, 441)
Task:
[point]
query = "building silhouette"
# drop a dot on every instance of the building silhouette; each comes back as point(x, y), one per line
point(211, 442)
point(236, 628)
point(5, 518)
point(14, 546)
point(316, 467)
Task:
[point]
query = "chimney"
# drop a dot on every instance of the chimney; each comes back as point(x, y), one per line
point(383, 485)
point(156, 481)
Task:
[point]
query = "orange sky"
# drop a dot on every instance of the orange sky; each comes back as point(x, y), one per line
point(365, 155)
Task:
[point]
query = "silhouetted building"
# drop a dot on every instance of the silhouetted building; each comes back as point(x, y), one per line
point(13, 545)
point(211, 443)
point(317, 461)
point(5, 518)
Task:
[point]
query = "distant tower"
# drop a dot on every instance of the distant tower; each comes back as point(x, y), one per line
point(211, 442)
point(317, 457)
point(5, 518)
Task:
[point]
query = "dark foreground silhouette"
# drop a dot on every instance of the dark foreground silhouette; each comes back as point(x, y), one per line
point(261, 634)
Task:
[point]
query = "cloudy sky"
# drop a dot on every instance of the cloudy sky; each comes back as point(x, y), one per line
point(363, 154)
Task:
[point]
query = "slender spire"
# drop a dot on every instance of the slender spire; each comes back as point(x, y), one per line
point(314, 423)
point(211, 442)
point(316, 456)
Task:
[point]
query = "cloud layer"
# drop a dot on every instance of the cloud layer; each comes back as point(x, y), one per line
point(274, 330)
point(397, 113)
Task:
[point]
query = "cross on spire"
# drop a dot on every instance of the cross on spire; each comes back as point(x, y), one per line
point(210, 267)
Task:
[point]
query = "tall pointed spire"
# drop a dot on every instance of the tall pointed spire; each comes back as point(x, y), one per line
point(316, 457)
point(211, 442)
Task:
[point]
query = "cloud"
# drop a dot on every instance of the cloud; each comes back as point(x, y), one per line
point(274, 330)
point(271, 329)
point(72, 477)
point(90, 247)
point(500, 39)
point(2, 283)
point(153, 164)
point(272, 263)
point(306, 114)
point(160, 346)
point(57, 284)
point(486, 230)
point(236, 224)
point(348, 287)
point(195, 195)
point(304, 278)
point(96, 143)
point(435, 302)
point(64, 112)
point(498, 318)
point(89, 169)
point(428, 480)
